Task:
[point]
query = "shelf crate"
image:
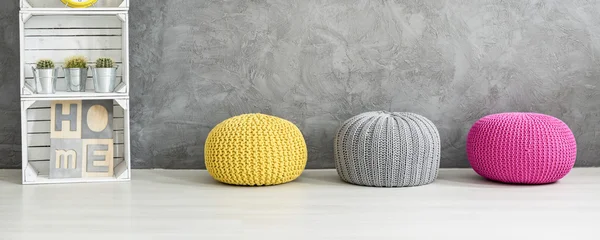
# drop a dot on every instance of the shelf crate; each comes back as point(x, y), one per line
point(58, 5)
point(57, 35)
point(36, 131)
point(48, 29)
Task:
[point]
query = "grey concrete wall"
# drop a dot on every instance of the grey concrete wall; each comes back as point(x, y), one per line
point(317, 63)
point(10, 115)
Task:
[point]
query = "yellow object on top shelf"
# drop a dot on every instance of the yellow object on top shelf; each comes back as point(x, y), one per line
point(79, 3)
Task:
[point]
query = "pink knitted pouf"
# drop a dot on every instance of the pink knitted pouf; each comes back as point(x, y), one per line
point(524, 148)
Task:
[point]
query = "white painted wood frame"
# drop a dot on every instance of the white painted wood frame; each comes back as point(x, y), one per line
point(59, 34)
point(57, 5)
point(35, 130)
point(50, 30)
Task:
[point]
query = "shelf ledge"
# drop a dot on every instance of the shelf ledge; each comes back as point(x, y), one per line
point(45, 180)
point(71, 11)
point(75, 95)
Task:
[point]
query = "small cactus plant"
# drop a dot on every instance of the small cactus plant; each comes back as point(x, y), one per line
point(45, 64)
point(76, 62)
point(105, 63)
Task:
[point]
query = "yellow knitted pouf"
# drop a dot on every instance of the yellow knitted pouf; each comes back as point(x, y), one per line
point(255, 149)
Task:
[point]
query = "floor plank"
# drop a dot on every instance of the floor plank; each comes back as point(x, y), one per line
point(187, 204)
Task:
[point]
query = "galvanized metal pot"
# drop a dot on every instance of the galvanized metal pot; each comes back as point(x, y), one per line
point(45, 80)
point(76, 79)
point(105, 79)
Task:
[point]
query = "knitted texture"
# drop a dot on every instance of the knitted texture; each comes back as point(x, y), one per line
point(524, 148)
point(255, 149)
point(384, 149)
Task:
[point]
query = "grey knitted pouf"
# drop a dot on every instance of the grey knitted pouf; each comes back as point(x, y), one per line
point(387, 149)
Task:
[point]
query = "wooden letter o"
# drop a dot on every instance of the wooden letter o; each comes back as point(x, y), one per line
point(97, 118)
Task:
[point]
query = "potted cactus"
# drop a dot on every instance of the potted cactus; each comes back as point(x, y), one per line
point(105, 75)
point(75, 69)
point(44, 74)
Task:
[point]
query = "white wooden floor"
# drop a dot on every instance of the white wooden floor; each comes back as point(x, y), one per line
point(160, 204)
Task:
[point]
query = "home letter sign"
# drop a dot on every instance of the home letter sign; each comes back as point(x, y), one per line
point(81, 139)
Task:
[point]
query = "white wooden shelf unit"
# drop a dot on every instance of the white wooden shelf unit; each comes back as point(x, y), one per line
point(50, 30)
point(57, 5)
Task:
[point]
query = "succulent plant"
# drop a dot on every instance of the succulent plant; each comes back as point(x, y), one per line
point(45, 64)
point(105, 63)
point(76, 62)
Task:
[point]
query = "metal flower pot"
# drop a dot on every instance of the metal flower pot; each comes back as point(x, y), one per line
point(76, 79)
point(105, 79)
point(45, 80)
